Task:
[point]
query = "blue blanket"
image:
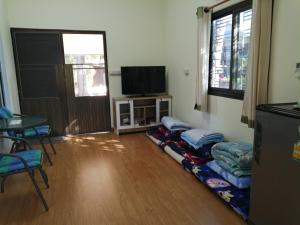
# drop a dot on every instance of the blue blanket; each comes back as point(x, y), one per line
point(174, 124)
point(239, 182)
point(234, 157)
point(237, 199)
point(199, 137)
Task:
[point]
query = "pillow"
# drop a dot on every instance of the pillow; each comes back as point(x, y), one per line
point(174, 124)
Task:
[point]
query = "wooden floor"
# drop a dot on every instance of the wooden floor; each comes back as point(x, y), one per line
point(106, 179)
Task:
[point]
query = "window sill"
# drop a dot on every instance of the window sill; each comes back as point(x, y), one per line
point(239, 95)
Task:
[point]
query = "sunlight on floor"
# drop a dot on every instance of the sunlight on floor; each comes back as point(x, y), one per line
point(110, 145)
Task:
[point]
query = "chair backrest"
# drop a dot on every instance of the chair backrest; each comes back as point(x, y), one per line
point(5, 113)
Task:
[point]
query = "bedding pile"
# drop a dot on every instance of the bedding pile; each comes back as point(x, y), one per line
point(228, 175)
point(235, 158)
point(238, 199)
point(224, 167)
point(188, 155)
point(160, 134)
point(197, 138)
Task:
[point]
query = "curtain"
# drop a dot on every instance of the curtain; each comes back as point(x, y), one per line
point(203, 45)
point(256, 92)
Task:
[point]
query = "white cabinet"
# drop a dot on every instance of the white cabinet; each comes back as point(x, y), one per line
point(139, 113)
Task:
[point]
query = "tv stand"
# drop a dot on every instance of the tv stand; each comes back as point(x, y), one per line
point(132, 114)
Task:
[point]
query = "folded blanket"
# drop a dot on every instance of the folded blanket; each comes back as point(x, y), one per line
point(234, 157)
point(174, 124)
point(239, 182)
point(199, 137)
point(235, 170)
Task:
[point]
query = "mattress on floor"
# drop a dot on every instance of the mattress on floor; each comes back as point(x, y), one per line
point(154, 139)
point(183, 153)
point(160, 134)
point(177, 157)
point(237, 199)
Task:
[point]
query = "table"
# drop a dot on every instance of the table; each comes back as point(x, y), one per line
point(21, 123)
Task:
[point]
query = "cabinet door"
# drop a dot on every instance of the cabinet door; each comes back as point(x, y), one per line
point(163, 107)
point(124, 114)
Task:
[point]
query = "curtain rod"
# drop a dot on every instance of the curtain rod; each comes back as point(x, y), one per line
point(207, 9)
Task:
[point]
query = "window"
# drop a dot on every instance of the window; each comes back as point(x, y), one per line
point(85, 52)
point(229, 50)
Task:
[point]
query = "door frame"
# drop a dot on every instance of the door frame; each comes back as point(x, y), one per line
point(15, 30)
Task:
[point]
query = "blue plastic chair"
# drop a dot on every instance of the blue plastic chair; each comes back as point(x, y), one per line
point(40, 132)
point(26, 161)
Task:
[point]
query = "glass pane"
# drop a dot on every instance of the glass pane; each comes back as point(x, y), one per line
point(164, 105)
point(242, 43)
point(125, 114)
point(221, 52)
point(83, 49)
point(86, 53)
point(89, 80)
point(139, 117)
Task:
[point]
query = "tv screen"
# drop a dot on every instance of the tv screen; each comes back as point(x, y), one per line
point(141, 80)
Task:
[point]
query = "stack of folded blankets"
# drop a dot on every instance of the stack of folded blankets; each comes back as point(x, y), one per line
point(236, 158)
point(225, 167)
point(229, 173)
point(193, 147)
point(187, 146)
point(200, 143)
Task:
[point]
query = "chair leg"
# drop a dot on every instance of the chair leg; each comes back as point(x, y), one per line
point(45, 150)
point(38, 191)
point(44, 176)
point(51, 144)
point(3, 179)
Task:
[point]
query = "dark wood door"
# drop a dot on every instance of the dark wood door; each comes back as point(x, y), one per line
point(39, 63)
point(46, 83)
point(87, 114)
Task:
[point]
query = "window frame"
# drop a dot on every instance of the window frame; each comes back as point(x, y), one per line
point(234, 10)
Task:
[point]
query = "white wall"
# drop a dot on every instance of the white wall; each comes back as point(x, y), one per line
point(148, 32)
point(7, 61)
point(285, 52)
point(225, 113)
point(134, 28)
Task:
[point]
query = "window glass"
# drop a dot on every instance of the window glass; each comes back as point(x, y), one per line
point(229, 52)
point(86, 53)
point(221, 52)
point(242, 42)
point(89, 80)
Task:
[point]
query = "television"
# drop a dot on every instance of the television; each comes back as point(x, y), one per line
point(143, 80)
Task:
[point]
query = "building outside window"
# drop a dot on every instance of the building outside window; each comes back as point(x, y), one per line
point(229, 51)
